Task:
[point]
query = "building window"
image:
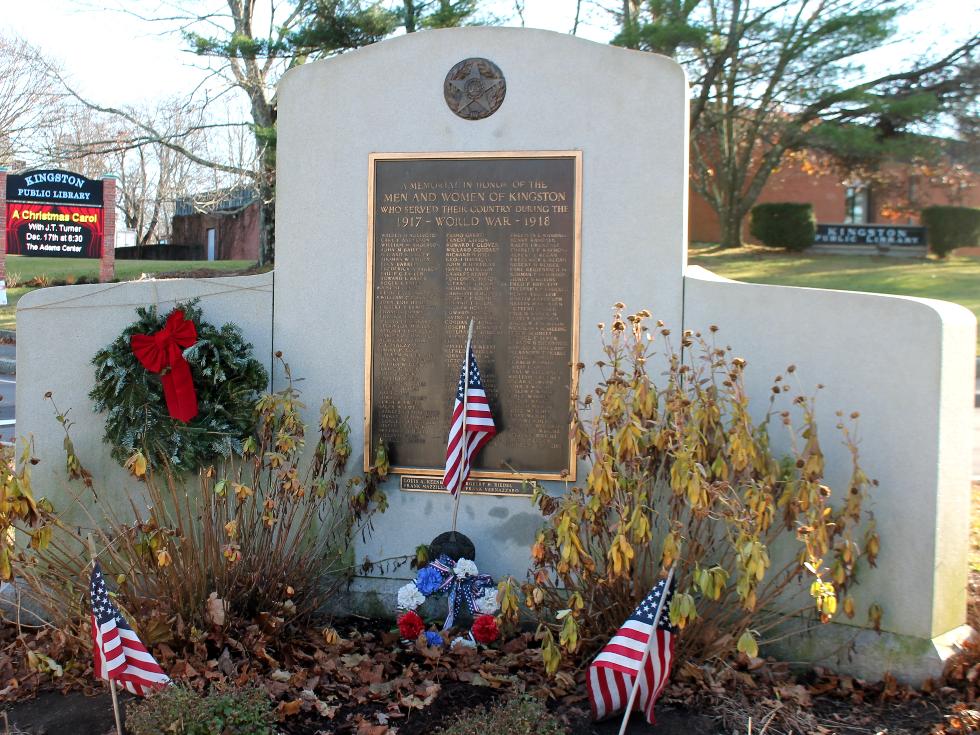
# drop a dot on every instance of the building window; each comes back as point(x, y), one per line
point(856, 205)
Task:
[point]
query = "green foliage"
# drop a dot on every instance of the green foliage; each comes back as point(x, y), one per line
point(519, 716)
point(680, 473)
point(784, 225)
point(446, 13)
point(180, 710)
point(338, 25)
point(236, 45)
point(951, 228)
point(770, 79)
point(227, 380)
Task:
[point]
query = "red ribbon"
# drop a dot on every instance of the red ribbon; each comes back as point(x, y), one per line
point(164, 349)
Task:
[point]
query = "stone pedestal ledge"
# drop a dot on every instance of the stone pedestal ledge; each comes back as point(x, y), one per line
point(867, 655)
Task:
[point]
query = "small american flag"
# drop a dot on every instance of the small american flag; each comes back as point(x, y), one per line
point(467, 434)
point(119, 654)
point(613, 671)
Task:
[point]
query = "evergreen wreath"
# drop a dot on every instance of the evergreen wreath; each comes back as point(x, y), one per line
point(227, 381)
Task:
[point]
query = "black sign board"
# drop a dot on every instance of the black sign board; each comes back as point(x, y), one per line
point(54, 213)
point(54, 187)
point(493, 237)
point(879, 235)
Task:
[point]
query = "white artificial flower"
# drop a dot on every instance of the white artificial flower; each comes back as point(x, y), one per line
point(486, 604)
point(466, 568)
point(409, 597)
point(464, 641)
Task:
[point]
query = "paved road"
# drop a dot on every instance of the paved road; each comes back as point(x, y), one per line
point(6, 407)
point(7, 351)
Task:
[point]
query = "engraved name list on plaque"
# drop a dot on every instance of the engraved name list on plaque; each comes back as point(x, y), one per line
point(495, 237)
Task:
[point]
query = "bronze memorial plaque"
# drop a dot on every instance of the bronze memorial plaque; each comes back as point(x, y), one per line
point(490, 236)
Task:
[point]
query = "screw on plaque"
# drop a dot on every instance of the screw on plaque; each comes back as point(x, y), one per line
point(474, 88)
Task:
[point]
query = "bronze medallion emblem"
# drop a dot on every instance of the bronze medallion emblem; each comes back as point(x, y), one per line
point(474, 88)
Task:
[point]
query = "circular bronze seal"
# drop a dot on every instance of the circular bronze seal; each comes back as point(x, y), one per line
point(474, 88)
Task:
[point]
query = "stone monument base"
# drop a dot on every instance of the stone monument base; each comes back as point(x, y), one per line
point(865, 654)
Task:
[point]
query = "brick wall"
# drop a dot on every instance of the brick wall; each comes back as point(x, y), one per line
point(107, 266)
point(236, 234)
point(827, 193)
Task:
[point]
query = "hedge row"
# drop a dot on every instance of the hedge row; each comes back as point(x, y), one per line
point(792, 226)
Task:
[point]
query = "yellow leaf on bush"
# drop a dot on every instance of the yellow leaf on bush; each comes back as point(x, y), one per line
point(747, 645)
point(136, 464)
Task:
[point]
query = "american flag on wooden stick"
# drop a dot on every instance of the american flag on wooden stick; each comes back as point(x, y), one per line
point(643, 646)
point(470, 429)
point(119, 654)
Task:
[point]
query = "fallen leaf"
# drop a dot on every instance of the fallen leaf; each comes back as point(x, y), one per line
point(215, 610)
point(288, 709)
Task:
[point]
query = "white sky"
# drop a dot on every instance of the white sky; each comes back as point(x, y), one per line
point(145, 64)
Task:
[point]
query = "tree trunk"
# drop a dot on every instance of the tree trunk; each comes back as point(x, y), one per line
point(267, 224)
point(730, 221)
point(410, 19)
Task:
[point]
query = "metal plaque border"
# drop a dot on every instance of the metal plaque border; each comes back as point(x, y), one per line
point(373, 158)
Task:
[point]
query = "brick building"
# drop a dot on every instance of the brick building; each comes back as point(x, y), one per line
point(896, 196)
point(219, 226)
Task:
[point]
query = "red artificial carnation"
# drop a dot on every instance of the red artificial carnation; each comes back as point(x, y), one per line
point(410, 625)
point(485, 629)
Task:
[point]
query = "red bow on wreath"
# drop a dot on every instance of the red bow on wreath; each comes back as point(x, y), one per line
point(164, 349)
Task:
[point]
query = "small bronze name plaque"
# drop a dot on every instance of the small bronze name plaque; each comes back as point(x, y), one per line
point(426, 484)
point(492, 237)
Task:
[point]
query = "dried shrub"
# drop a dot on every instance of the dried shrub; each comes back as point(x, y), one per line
point(262, 539)
point(183, 711)
point(517, 716)
point(680, 472)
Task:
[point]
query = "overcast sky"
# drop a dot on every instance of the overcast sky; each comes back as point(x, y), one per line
point(144, 62)
point(117, 59)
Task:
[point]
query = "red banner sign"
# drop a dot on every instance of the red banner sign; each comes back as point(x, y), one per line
point(54, 230)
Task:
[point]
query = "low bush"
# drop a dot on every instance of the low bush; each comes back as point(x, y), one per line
point(951, 227)
point(783, 225)
point(179, 710)
point(681, 475)
point(265, 538)
point(518, 716)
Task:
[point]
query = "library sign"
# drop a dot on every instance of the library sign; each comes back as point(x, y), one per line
point(54, 213)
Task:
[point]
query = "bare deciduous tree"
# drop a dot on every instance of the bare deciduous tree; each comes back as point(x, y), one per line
point(151, 174)
point(28, 104)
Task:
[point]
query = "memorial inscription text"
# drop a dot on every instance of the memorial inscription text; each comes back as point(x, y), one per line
point(492, 237)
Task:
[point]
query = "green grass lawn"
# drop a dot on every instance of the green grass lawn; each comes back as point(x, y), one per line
point(21, 269)
point(957, 278)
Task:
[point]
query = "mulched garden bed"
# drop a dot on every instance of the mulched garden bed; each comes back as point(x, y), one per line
point(370, 683)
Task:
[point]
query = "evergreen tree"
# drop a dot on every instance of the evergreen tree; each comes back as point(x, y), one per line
point(785, 75)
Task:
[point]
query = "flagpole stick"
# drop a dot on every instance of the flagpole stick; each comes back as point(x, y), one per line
point(115, 707)
point(112, 684)
point(646, 654)
point(466, 394)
